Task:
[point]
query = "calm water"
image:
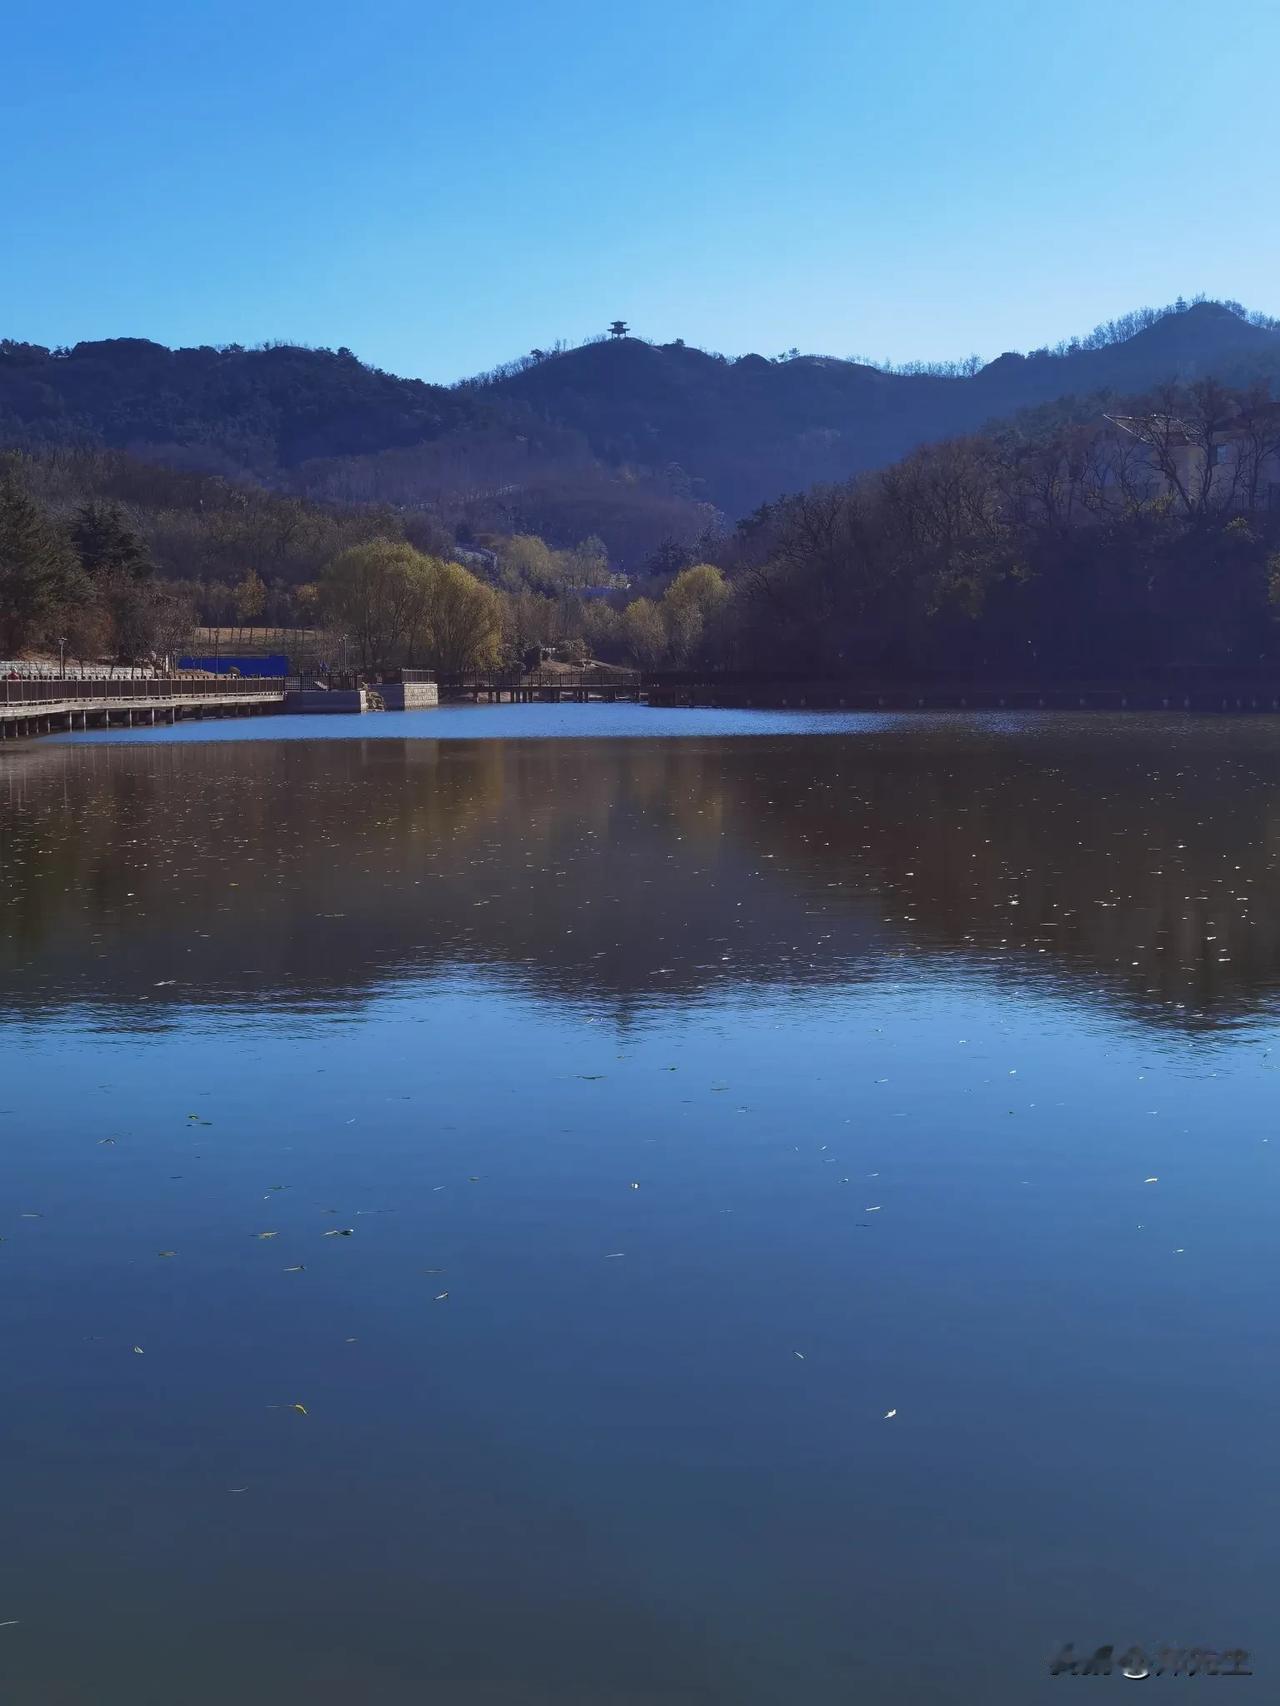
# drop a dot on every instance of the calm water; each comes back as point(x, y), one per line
point(640, 1108)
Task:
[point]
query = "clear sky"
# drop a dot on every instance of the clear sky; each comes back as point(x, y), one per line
point(443, 186)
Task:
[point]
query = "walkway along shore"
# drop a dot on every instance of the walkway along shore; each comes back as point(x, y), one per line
point(34, 707)
point(49, 707)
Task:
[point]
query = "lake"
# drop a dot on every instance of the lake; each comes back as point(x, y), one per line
point(584, 1206)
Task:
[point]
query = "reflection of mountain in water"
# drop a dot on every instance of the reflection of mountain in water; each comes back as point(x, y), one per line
point(1133, 858)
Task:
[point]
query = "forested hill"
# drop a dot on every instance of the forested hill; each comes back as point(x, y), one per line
point(631, 441)
point(230, 409)
point(749, 429)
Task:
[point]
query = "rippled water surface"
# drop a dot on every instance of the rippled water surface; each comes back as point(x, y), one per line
point(581, 1206)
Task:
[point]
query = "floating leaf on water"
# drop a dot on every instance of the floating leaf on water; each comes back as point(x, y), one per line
point(874, 1209)
point(237, 1489)
point(30, 1217)
point(166, 1252)
point(338, 1232)
point(437, 1270)
point(299, 1269)
point(266, 1234)
point(9, 1623)
point(300, 1408)
point(635, 1184)
point(614, 1254)
point(138, 1351)
point(1153, 1180)
point(799, 1355)
point(889, 1413)
point(440, 1296)
point(106, 1140)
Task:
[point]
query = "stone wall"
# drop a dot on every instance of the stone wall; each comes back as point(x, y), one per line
point(409, 696)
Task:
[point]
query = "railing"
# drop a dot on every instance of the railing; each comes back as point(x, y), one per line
point(569, 681)
point(162, 687)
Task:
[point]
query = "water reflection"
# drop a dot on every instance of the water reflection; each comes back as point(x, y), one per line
point(1127, 862)
point(775, 1253)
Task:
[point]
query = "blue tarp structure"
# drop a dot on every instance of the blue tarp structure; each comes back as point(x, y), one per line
point(276, 664)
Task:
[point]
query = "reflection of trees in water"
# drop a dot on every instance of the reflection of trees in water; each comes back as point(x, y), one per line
point(1114, 861)
point(1100, 855)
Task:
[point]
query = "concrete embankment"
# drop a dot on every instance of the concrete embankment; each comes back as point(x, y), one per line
point(334, 699)
point(409, 695)
point(389, 695)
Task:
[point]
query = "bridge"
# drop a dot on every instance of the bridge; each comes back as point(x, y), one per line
point(46, 706)
point(1180, 690)
point(545, 686)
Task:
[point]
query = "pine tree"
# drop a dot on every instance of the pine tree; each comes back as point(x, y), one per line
point(107, 545)
point(39, 575)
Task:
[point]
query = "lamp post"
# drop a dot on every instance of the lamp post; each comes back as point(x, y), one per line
point(62, 657)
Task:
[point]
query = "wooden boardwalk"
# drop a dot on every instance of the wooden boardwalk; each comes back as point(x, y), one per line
point(54, 706)
point(761, 690)
point(545, 686)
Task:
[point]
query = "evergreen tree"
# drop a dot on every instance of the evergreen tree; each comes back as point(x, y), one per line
point(39, 575)
point(107, 545)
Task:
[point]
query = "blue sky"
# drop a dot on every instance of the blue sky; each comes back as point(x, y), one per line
point(440, 187)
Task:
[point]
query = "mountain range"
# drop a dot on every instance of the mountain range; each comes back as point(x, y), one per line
point(633, 441)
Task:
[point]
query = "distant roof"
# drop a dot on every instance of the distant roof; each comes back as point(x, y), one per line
point(1176, 430)
point(1141, 425)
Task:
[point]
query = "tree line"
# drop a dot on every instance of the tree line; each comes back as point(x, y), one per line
point(398, 606)
point(87, 586)
point(1067, 544)
point(107, 557)
point(1145, 538)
